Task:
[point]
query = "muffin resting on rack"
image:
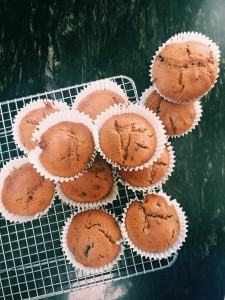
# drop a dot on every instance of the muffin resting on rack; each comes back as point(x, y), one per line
point(93, 237)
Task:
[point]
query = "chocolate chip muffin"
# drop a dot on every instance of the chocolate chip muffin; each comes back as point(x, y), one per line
point(30, 121)
point(149, 175)
point(176, 118)
point(152, 225)
point(98, 101)
point(184, 71)
point(26, 192)
point(93, 185)
point(128, 140)
point(67, 148)
point(93, 237)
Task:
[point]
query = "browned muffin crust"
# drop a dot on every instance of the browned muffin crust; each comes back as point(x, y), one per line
point(150, 175)
point(152, 225)
point(93, 185)
point(29, 123)
point(176, 118)
point(99, 101)
point(185, 71)
point(128, 140)
point(67, 148)
point(26, 192)
point(93, 238)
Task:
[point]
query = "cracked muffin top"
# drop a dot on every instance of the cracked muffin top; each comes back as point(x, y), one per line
point(29, 123)
point(93, 185)
point(184, 71)
point(98, 101)
point(176, 118)
point(152, 225)
point(150, 175)
point(93, 237)
point(67, 148)
point(26, 192)
point(128, 140)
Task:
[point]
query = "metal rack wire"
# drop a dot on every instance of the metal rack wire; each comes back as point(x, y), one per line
point(32, 263)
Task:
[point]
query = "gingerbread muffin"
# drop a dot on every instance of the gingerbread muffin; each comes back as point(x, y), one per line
point(148, 176)
point(67, 148)
point(29, 123)
point(176, 118)
point(93, 237)
point(152, 225)
point(128, 140)
point(184, 71)
point(98, 101)
point(26, 192)
point(93, 185)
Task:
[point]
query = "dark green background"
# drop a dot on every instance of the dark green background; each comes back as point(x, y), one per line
point(46, 45)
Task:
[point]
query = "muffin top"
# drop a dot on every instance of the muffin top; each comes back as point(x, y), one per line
point(98, 101)
point(128, 140)
point(149, 175)
point(152, 225)
point(29, 123)
point(67, 148)
point(93, 185)
point(176, 118)
point(184, 71)
point(93, 238)
point(26, 192)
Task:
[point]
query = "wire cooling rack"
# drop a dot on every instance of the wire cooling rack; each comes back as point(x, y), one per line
point(32, 264)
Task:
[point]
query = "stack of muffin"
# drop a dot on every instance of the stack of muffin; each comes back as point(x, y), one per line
point(103, 140)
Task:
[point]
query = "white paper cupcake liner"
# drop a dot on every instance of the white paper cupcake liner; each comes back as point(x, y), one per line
point(51, 120)
point(103, 84)
point(25, 110)
point(197, 106)
point(182, 38)
point(113, 193)
point(71, 258)
point(141, 111)
point(157, 185)
point(17, 218)
point(173, 248)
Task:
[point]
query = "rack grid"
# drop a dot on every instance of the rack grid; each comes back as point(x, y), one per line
point(32, 264)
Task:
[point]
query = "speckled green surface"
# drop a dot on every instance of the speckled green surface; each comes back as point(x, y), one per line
point(51, 44)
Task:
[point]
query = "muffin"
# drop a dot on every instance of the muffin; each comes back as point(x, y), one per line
point(150, 175)
point(98, 101)
point(93, 185)
point(152, 225)
point(128, 140)
point(26, 192)
point(93, 238)
point(176, 118)
point(184, 71)
point(67, 148)
point(97, 96)
point(30, 121)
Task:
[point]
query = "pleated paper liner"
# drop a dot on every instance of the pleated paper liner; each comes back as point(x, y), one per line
point(112, 195)
point(170, 250)
point(182, 38)
point(141, 111)
point(40, 103)
point(197, 106)
point(11, 217)
point(51, 120)
point(71, 258)
point(155, 186)
point(103, 84)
